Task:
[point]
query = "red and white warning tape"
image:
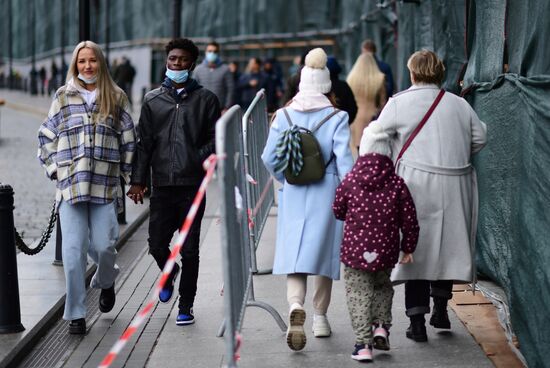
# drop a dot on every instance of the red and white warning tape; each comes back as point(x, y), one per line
point(209, 165)
point(253, 212)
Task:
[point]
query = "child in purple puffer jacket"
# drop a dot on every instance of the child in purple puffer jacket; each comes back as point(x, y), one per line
point(376, 205)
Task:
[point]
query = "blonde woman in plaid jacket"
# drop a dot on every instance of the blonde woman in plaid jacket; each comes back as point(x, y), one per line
point(86, 144)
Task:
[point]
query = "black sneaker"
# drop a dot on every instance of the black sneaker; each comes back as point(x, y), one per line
point(107, 299)
point(166, 293)
point(77, 326)
point(185, 316)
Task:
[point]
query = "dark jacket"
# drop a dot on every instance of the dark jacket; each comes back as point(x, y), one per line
point(345, 100)
point(386, 69)
point(175, 134)
point(376, 204)
point(246, 91)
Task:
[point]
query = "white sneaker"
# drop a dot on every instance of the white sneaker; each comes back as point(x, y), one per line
point(295, 335)
point(321, 327)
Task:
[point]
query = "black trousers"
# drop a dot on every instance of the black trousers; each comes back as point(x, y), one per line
point(169, 207)
point(417, 295)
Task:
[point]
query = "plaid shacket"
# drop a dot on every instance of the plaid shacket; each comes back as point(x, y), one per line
point(85, 155)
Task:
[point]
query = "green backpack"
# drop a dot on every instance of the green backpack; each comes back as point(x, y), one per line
point(300, 154)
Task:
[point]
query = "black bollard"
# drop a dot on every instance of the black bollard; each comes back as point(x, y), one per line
point(10, 312)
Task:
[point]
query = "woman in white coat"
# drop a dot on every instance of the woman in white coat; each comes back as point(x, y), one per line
point(437, 169)
point(308, 235)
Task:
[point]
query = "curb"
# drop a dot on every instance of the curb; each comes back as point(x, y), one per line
point(33, 336)
point(27, 109)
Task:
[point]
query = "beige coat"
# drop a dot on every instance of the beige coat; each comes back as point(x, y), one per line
point(366, 110)
point(437, 169)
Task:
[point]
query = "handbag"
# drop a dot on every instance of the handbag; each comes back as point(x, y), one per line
point(421, 124)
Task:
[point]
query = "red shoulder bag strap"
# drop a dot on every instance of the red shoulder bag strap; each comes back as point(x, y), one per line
point(421, 124)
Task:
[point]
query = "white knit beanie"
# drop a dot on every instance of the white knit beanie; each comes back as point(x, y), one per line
point(375, 140)
point(315, 76)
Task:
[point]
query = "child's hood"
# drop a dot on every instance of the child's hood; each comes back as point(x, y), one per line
point(372, 171)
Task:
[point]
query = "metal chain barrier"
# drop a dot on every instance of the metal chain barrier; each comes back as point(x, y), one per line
point(32, 250)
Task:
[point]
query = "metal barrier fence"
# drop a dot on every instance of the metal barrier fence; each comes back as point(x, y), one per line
point(235, 240)
point(260, 194)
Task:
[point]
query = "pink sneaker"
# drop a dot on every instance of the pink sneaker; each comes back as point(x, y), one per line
point(381, 340)
point(362, 353)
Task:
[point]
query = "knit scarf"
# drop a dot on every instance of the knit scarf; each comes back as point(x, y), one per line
point(288, 151)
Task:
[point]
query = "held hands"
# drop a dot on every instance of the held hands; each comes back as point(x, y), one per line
point(136, 192)
point(407, 258)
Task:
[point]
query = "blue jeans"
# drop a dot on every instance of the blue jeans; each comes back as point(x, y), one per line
point(87, 229)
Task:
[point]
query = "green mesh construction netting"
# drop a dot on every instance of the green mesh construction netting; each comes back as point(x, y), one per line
point(513, 241)
point(513, 170)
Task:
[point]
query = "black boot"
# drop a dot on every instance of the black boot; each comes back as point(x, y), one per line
point(77, 326)
point(440, 318)
point(417, 329)
point(107, 299)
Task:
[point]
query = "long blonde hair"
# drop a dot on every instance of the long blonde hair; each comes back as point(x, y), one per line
point(365, 79)
point(108, 93)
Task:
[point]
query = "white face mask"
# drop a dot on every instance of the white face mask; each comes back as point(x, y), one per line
point(92, 80)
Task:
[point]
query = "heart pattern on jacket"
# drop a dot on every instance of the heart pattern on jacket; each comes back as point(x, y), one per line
point(370, 256)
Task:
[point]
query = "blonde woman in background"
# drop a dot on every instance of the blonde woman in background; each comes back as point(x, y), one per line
point(367, 83)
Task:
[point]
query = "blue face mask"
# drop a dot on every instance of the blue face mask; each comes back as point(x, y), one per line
point(211, 57)
point(178, 76)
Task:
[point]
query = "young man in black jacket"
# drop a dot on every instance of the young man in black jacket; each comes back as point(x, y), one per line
point(175, 135)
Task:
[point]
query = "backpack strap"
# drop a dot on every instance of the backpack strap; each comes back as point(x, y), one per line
point(326, 118)
point(288, 118)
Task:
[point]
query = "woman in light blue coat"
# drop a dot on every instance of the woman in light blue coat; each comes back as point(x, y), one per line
point(308, 235)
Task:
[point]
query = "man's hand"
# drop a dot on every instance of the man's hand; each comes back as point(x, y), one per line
point(407, 258)
point(253, 82)
point(136, 192)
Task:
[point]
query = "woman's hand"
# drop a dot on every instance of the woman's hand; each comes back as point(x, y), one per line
point(136, 192)
point(407, 258)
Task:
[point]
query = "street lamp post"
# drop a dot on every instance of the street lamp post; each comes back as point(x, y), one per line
point(107, 29)
point(62, 24)
point(31, 29)
point(176, 20)
point(84, 20)
point(10, 45)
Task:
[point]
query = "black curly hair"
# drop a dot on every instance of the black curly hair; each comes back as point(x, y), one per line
point(183, 44)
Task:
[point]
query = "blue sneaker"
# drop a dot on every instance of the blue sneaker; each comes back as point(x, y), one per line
point(166, 293)
point(362, 353)
point(185, 316)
